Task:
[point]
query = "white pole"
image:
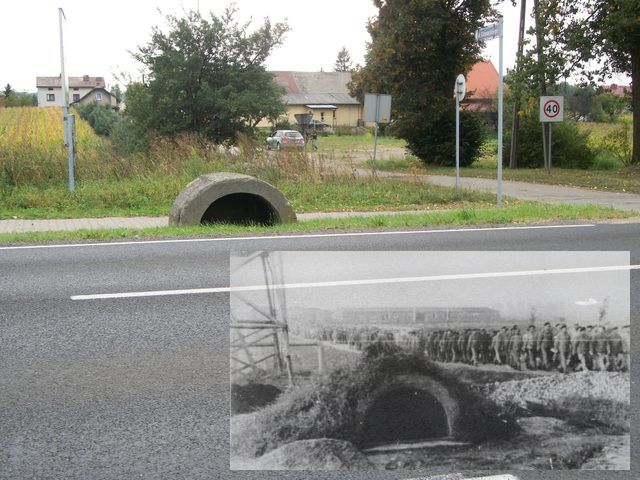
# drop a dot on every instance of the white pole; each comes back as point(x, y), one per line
point(375, 135)
point(550, 124)
point(500, 121)
point(457, 143)
point(67, 126)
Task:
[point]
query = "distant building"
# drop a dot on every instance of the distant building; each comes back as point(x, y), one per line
point(619, 90)
point(482, 88)
point(324, 95)
point(81, 90)
point(435, 317)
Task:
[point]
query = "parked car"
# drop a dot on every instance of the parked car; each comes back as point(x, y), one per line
point(285, 139)
point(320, 126)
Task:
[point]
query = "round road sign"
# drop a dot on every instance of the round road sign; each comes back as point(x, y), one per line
point(551, 108)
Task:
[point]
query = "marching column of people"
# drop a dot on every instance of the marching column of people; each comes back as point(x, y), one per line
point(546, 348)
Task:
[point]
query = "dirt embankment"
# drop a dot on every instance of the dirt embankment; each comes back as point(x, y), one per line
point(594, 399)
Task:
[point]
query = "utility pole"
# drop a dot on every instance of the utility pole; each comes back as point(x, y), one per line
point(68, 121)
point(513, 163)
point(541, 70)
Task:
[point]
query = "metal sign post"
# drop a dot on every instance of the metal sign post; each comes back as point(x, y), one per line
point(377, 108)
point(68, 123)
point(484, 34)
point(551, 111)
point(460, 88)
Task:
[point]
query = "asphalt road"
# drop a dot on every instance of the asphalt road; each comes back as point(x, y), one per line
point(138, 387)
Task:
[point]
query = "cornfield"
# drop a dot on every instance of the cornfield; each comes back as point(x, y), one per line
point(32, 150)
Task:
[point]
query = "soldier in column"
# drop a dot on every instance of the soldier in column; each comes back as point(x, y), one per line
point(581, 348)
point(474, 339)
point(563, 347)
point(515, 345)
point(600, 348)
point(529, 346)
point(545, 343)
point(617, 349)
point(625, 333)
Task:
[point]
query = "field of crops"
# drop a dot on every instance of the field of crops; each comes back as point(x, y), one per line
point(32, 148)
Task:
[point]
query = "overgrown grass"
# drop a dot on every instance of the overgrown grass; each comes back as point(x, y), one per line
point(153, 196)
point(358, 142)
point(608, 173)
point(524, 212)
point(331, 407)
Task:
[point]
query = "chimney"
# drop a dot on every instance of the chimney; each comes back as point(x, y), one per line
point(85, 78)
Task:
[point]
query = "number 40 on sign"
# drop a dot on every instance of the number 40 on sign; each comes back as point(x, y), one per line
point(552, 108)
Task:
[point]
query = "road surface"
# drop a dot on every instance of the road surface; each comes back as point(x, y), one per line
point(127, 388)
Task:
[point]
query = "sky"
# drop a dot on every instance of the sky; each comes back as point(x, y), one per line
point(577, 297)
point(99, 36)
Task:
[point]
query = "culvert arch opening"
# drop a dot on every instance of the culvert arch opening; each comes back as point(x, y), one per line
point(241, 209)
point(404, 414)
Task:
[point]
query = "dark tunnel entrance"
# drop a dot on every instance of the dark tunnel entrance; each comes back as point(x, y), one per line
point(241, 209)
point(404, 414)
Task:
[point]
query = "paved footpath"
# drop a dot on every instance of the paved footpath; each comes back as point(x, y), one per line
point(521, 190)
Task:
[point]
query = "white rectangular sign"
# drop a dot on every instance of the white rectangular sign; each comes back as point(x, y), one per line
point(552, 108)
point(377, 108)
point(488, 33)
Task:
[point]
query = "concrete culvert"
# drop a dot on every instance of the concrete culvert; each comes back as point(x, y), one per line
point(230, 198)
point(404, 414)
point(241, 209)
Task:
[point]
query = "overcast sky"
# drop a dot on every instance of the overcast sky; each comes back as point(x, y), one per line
point(578, 297)
point(98, 35)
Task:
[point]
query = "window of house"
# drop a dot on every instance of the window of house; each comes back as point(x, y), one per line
point(334, 114)
point(76, 97)
point(75, 89)
point(322, 116)
point(98, 96)
point(51, 97)
point(50, 89)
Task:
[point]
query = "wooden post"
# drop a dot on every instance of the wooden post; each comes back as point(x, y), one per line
point(513, 160)
point(320, 358)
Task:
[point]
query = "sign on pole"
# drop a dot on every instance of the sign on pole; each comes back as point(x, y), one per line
point(552, 108)
point(489, 32)
point(551, 111)
point(460, 89)
point(377, 108)
point(484, 34)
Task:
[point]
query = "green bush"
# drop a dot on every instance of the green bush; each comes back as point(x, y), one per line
point(619, 144)
point(102, 118)
point(434, 141)
point(128, 137)
point(569, 148)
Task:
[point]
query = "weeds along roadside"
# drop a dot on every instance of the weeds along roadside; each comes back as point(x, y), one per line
point(33, 179)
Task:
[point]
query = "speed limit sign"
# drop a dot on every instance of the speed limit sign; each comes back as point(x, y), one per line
point(552, 109)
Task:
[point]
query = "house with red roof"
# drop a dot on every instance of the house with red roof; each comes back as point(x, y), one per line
point(482, 88)
point(325, 95)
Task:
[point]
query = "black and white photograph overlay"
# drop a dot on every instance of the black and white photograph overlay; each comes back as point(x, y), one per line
point(430, 361)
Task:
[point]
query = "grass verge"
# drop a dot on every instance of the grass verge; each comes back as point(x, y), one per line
point(153, 197)
point(525, 212)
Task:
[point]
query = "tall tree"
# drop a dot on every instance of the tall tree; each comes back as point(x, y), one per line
point(606, 32)
point(416, 51)
point(206, 75)
point(343, 61)
point(8, 90)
